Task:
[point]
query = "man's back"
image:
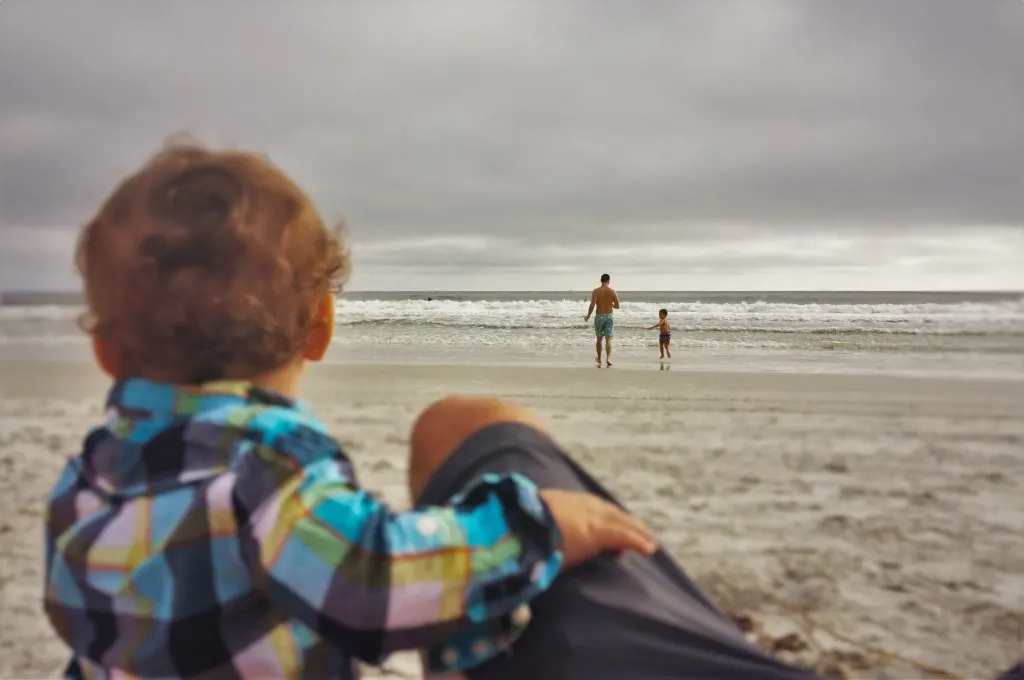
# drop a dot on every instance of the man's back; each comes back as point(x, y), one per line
point(604, 299)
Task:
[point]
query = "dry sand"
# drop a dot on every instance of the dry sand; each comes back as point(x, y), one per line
point(890, 510)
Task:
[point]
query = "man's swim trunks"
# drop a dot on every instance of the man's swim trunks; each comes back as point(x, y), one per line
point(604, 325)
point(614, 618)
point(665, 337)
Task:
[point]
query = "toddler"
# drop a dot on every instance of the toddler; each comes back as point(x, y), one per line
point(665, 333)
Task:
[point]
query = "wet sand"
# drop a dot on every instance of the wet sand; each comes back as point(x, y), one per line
point(887, 510)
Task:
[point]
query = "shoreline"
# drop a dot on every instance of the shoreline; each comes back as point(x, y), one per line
point(886, 333)
point(355, 358)
point(82, 378)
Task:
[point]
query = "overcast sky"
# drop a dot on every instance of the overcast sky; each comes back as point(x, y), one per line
point(478, 144)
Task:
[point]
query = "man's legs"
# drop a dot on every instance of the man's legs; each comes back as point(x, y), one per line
point(446, 424)
point(598, 349)
point(614, 618)
point(608, 349)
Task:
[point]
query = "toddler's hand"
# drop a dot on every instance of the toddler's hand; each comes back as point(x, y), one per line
point(590, 526)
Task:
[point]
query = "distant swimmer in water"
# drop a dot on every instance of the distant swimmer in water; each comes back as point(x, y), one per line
point(605, 299)
point(665, 337)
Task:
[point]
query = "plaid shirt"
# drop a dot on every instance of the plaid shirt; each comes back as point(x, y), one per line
point(219, 532)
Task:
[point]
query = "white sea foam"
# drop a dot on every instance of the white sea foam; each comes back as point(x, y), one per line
point(725, 317)
point(991, 327)
point(39, 313)
point(540, 314)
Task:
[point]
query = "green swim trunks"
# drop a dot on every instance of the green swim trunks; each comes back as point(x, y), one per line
point(604, 325)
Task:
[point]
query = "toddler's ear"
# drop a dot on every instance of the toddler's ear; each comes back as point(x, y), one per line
point(106, 358)
point(321, 330)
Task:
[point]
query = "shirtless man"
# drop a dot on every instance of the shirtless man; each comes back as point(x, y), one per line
point(605, 299)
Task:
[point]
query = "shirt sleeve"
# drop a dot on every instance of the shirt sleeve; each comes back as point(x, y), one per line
point(372, 581)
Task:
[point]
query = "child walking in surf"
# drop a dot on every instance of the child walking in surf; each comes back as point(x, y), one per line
point(665, 333)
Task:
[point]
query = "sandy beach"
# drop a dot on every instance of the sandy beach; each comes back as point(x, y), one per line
point(888, 511)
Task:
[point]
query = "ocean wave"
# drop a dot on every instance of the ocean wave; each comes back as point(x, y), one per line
point(40, 313)
point(759, 316)
point(727, 317)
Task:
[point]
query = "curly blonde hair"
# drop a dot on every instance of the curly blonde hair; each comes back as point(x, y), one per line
point(206, 265)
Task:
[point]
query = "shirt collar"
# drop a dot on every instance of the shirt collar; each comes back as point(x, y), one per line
point(132, 453)
point(141, 397)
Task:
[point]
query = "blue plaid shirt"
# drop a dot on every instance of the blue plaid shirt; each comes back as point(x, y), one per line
point(219, 532)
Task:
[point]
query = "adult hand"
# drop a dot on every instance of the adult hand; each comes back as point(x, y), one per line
point(591, 526)
point(586, 318)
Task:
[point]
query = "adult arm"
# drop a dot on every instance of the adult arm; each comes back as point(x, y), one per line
point(615, 300)
point(593, 302)
point(373, 581)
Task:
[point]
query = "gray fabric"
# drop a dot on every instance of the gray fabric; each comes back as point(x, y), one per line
point(1015, 673)
point(616, 618)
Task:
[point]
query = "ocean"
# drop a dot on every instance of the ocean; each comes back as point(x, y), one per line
point(908, 333)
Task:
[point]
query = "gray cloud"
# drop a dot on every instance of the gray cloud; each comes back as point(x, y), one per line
point(607, 123)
